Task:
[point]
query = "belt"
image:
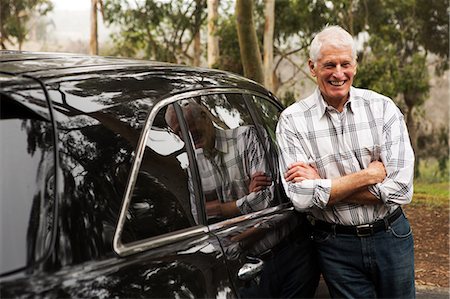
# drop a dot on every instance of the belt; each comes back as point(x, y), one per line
point(363, 230)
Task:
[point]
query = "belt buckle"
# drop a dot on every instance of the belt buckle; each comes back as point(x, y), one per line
point(364, 230)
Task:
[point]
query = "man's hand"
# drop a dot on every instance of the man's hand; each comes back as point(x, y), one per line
point(259, 181)
point(377, 171)
point(300, 171)
point(213, 208)
point(225, 209)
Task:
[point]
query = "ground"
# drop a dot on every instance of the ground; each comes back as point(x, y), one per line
point(430, 225)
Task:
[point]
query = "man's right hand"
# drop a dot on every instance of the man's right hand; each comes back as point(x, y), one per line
point(377, 171)
point(259, 181)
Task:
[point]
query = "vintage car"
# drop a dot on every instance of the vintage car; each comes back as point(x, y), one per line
point(101, 198)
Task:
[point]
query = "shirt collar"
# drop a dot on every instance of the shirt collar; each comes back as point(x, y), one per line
point(323, 105)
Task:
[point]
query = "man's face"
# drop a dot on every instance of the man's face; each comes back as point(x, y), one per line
point(334, 70)
point(200, 128)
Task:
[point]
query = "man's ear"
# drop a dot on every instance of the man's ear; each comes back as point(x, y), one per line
point(311, 67)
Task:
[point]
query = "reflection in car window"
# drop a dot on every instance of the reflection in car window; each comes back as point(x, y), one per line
point(27, 185)
point(160, 200)
point(235, 176)
point(268, 115)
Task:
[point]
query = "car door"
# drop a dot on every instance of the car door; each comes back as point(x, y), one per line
point(159, 252)
point(243, 146)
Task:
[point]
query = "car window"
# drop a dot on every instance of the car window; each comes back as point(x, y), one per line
point(230, 152)
point(160, 200)
point(268, 114)
point(26, 185)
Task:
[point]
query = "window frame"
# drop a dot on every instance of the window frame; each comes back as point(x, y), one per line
point(123, 249)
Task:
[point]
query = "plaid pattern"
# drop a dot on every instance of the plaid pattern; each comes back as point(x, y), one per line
point(370, 128)
point(226, 174)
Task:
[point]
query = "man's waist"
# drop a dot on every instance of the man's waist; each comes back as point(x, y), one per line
point(362, 230)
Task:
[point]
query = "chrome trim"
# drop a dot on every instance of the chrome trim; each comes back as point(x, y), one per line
point(257, 214)
point(126, 249)
point(146, 244)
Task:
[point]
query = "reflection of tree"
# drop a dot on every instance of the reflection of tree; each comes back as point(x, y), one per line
point(40, 226)
point(96, 153)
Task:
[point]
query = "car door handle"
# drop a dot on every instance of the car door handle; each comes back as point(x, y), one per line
point(249, 270)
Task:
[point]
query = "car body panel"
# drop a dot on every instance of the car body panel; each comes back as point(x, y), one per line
point(101, 107)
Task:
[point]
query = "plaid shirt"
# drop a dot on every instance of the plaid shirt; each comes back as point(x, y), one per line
point(369, 128)
point(226, 174)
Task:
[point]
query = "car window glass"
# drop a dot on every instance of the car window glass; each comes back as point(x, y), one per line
point(26, 185)
point(230, 153)
point(160, 200)
point(268, 115)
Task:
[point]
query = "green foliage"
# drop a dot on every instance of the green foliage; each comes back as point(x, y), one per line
point(230, 56)
point(394, 60)
point(161, 30)
point(432, 171)
point(431, 194)
point(434, 145)
point(14, 18)
point(288, 98)
point(433, 186)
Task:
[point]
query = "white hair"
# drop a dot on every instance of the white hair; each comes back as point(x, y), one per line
point(334, 36)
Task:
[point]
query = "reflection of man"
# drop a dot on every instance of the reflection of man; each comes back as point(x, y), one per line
point(349, 162)
point(234, 177)
point(231, 163)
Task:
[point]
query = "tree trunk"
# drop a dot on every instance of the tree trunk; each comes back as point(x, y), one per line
point(269, 13)
point(93, 44)
point(248, 41)
point(197, 49)
point(213, 40)
point(410, 124)
point(196, 31)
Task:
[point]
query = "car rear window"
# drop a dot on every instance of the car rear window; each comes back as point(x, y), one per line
point(26, 185)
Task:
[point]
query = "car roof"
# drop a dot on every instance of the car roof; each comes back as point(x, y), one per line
point(45, 65)
point(90, 77)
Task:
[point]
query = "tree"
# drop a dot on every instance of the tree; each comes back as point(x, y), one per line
point(161, 30)
point(213, 40)
point(93, 43)
point(269, 25)
point(198, 19)
point(248, 41)
point(14, 18)
point(395, 61)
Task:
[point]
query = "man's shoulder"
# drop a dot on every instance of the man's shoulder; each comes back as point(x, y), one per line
point(302, 106)
point(367, 95)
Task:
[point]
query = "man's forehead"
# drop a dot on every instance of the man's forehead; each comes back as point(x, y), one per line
point(333, 54)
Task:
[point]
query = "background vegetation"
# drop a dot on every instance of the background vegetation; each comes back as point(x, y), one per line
point(402, 44)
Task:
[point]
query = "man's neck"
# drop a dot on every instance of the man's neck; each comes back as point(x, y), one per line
point(337, 103)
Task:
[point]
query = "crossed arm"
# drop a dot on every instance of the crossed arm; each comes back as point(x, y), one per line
point(259, 181)
point(352, 188)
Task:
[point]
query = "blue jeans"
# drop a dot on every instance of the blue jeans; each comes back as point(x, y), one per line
point(378, 266)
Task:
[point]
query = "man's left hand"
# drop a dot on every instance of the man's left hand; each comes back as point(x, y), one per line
point(300, 171)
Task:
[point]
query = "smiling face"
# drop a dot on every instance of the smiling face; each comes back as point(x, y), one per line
point(334, 69)
point(199, 124)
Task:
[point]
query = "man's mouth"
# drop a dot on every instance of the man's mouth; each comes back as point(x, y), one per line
point(337, 83)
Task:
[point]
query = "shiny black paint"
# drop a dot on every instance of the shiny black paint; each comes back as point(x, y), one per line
point(101, 105)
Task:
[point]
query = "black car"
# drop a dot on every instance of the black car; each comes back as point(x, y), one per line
point(100, 197)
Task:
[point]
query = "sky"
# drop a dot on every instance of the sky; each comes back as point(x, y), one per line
point(77, 26)
point(71, 4)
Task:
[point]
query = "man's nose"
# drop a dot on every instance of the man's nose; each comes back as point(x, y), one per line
point(338, 72)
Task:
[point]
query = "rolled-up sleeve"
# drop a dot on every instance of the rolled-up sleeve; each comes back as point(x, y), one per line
point(398, 158)
point(255, 160)
point(292, 148)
